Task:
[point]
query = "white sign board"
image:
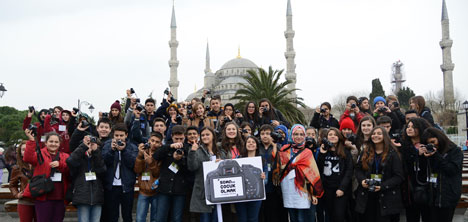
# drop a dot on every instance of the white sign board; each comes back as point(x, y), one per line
point(237, 180)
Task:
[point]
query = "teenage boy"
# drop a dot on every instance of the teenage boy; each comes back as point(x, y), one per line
point(215, 108)
point(272, 207)
point(147, 169)
point(119, 155)
point(102, 131)
point(173, 182)
point(410, 114)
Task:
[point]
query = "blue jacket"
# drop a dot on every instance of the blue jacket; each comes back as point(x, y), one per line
point(127, 162)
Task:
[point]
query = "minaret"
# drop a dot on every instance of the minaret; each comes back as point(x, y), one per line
point(290, 53)
point(173, 62)
point(209, 76)
point(447, 65)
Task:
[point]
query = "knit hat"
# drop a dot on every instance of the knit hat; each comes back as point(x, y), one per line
point(116, 105)
point(347, 123)
point(379, 98)
point(174, 106)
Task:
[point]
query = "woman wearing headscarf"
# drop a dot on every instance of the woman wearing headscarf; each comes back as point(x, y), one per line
point(299, 177)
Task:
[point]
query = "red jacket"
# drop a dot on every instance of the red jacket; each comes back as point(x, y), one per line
point(30, 156)
point(65, 144)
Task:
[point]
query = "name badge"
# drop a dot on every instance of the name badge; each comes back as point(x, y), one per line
point(62, 128)
point(174, 167)
point(433, 178)
point(43, 139)
point(89, 176)
point(145, 176)
point(269, 167)
point(142, 125)
point(57, 177)
point(377, 177)
point(213, 158)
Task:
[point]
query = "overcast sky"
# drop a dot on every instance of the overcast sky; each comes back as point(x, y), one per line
point(53, 52)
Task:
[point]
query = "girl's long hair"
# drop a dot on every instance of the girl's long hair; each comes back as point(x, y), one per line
point(214, 148)
point(369, 151)
point(420, 124)
point(19, 157)
point(360, 136)
point(339, 148)
point(254, 117)
point(226, 144)
point(445, 144)
point(245, 152)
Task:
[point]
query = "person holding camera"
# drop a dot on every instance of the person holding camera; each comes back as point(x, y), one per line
point(380, 173)
point(87, 170)
point(348, 131)
point(175, 118)
point(251, 115)
point(352, 110)
point(283, 131)
point(364, 107)
point(147, 170)
point(446, 160)
point(101, 131)
point(416, 168)
point(394, 106)
point(114, 115)
point(336, 169)
point(272, 207)
point(207, 150)
point(229, 115)
point(323, 118)
point(246, 130)
point(119, 156)
point(381, 109)
point(20, 175)
point(418, 103)
point(173, 182)
point(49, 206)
point(39, 126)
point(299, 177)
point(269, 115)
point(137, 121)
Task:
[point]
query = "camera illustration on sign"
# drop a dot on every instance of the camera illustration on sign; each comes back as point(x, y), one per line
point(232, 181)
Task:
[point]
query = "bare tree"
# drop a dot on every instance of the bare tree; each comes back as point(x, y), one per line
point(444, 114)
point(339, 102)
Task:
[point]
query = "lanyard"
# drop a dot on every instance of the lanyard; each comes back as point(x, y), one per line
point(377, 160)
point(89, 163)
point(235, 153)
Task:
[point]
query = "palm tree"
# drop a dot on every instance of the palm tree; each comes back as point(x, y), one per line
point(264, 84)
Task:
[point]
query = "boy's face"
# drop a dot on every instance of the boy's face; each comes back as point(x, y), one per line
point(215, 105)
point(103, 130)
point(155, 142)
point(265, 136)
point(120, 135)
point(192, 135)
point(409, 116)
point(159, 127)
point(387, 126)
point(178, 138)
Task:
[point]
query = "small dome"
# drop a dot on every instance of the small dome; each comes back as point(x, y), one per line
point(239, 63)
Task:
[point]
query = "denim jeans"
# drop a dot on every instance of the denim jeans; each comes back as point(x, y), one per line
point(299, 215)
point(89, 213)
point(143, 205)
point(248, 211)
point(312, 210)
point(173, 203)
point(209, 217)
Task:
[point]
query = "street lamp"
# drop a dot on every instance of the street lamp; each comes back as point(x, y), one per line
point(2, 90)
point(465, 106)
point(91, 107)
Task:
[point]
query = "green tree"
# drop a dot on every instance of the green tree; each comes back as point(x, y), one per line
point(377, 90)
point(11, 125)
point(403, 97)
point(262, 84)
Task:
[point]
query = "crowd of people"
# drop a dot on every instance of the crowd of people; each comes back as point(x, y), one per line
point(371, 164)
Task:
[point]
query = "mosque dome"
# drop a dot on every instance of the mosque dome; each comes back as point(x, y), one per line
point(237, 63)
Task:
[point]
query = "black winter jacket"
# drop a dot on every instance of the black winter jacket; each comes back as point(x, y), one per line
point(127, 163)
point(319, 122)
point(277, 115)
point(412, 161)
point(170, 182)
point(86, 192)
point(389, 194)
point(346, 167)
point(448, 168)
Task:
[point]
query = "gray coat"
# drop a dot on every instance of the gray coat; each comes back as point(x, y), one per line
point(195, 164)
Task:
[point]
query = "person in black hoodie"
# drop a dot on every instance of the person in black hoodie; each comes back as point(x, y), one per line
point(379, 173)
point(173, 184)
point(446, 174)
point(335, 164)
point(270, 115)
point(322, 117)
point(415, 165)
point(87, 169)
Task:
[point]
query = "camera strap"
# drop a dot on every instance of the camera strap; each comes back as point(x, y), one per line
point(289, 162)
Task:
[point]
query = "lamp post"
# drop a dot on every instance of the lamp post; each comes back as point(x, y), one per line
point(2, 90)
point(465, 106)
point(91, 107)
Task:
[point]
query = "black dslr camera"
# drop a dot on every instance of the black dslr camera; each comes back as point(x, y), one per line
point(322, 110)
point(382, 110)
point(189, 109)
point(353, 105)
point(166, 92)
point(76, 110)
point(430, 147)
point(140, 107)
point(225, 177)
point(372, 183)
point(226, 119)
point(237, 111)
point(277, 136)
point(310, 142)
point(84, 123)
point(105, 115)
point(120, 143)
point(147, 146)
point(93, 139)
point(396, 137)
point(352, 138)
point(326, 144)
point(178, 118)
point(31, 109)
point(132, 91)
point(33, 129)
point(179, 151)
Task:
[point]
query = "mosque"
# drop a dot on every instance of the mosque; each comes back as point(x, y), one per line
point(226, 81)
